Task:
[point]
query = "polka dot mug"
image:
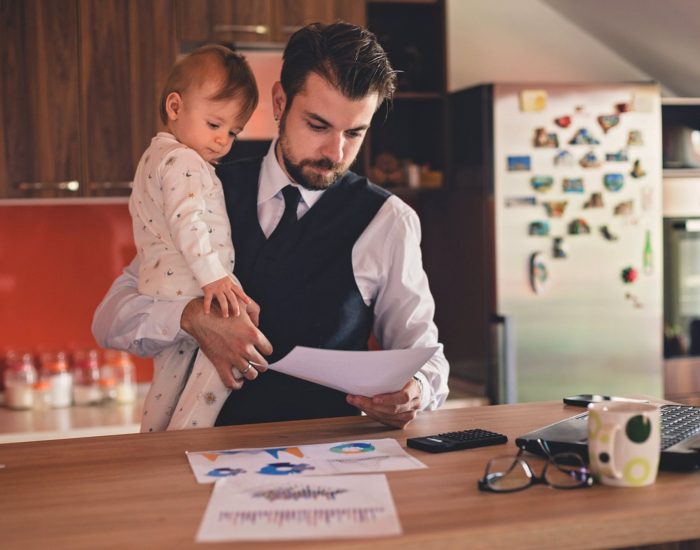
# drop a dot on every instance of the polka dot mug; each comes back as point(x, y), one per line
point(624, 443)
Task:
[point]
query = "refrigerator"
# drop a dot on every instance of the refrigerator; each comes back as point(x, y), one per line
point(549, 282)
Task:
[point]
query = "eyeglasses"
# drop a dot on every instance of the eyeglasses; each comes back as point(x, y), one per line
point(507, 474)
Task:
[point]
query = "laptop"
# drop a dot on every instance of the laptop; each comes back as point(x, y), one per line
point(680, 437)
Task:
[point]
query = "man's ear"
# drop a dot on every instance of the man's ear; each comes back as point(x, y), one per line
point(279, 100)
point(173, 105)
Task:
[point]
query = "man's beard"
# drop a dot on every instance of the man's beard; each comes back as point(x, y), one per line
point(309, 179)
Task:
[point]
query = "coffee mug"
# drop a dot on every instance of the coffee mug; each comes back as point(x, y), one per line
point(624, 443)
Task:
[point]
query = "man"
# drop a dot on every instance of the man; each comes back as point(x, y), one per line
point(329, 257)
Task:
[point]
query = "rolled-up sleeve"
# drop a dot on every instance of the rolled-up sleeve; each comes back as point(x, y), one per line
point(136, 323)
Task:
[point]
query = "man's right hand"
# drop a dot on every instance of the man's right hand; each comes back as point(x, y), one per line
point(228, 342)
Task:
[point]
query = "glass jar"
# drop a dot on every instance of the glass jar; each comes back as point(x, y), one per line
point(86, 378)
point(119, 369)
point(42, 395)
point(19, 377)
point(54, 369)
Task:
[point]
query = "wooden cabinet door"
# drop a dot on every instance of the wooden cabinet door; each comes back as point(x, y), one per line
point(127, 50)
point(290, 15)
point(39, 138)
point(236, 21)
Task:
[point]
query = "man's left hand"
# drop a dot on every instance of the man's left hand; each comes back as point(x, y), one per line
point(396, 409)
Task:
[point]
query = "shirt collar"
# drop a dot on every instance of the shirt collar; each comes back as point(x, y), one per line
point(273, 179)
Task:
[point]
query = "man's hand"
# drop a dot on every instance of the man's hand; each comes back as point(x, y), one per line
point(396, 409)
point(228, 342)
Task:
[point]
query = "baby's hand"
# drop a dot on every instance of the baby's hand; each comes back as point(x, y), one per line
point(226, 293)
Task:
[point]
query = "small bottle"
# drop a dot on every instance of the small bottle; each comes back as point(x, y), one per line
point(19, 377)
point(54, 369)
point(86, 378)
point(42, 395)
point(118, 372)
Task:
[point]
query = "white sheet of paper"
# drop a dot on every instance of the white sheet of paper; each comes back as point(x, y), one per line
point(342, 457)
point(309, 508)
point(366, 373)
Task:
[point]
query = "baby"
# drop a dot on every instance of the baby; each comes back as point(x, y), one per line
point(181, 230)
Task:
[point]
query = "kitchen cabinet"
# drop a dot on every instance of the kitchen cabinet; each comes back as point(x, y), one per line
point(40, 136)
point(258, 22)
point(80, 93)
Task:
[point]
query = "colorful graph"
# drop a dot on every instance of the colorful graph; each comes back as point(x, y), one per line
point(225, 472)
point(284, 468)
point(298, 492)
point(310, 518)
point(352, 448)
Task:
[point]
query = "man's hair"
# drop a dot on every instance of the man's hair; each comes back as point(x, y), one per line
point(347, 56)
point(217, 62)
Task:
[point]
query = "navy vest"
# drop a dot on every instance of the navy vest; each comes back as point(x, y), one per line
point(305, 285)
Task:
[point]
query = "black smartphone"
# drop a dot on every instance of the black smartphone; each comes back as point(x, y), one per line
point(584, 399)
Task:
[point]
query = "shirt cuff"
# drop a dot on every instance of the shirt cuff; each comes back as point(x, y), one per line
point(164, 322)
point(424, 390)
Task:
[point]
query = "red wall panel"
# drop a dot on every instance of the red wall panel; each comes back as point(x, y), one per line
point(56, 263)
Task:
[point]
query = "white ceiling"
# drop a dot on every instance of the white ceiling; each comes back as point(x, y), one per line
point(660, 37)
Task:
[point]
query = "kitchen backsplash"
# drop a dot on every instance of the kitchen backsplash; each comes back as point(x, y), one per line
point(56, 263)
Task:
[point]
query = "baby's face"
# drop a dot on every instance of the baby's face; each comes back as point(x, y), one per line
point(209, 127)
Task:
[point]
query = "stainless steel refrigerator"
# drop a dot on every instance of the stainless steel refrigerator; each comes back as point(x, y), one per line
point(550, 278)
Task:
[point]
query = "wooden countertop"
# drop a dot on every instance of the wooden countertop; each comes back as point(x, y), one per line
point(138, 490)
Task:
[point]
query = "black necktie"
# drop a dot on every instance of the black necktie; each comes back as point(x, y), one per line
point(289, 218)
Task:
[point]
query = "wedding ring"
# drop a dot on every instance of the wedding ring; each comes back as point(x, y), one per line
point(250, 366)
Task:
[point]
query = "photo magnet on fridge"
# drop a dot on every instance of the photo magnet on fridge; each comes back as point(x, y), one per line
point(618, 156)
point(563, 158)
point(544, 139)
point(637, 170)
point(539, 273)
point(613, 182)
point(519, 163)
point(542, 184)
point(584, 137)
point(608, 121)
point(573, 185)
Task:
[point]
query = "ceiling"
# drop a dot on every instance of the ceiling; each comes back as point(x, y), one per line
point(660, 37)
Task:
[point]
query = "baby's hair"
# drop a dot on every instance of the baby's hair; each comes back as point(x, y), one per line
point(213, 61)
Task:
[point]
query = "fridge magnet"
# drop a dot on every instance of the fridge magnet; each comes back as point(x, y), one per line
point(559, 248)
point(542, 184)
point(636, 302)
point(580, 109)
point(520, 201)
point(539, 273)
point(624, 208)
point(647, 255)
point(643, 102)
point(629, 275)
point(595, 201)
point(590, 160)
point(573, 185)
point(544, 139)
point(563, 158)
point(555, 209)
point(579, 226)
point(539, 228)
point(613, 182)
point(635, 138)
point(533, 100)
point(607, 234)
point(583, 137)
point(637, 170)
point(618, 156)
point(519, 163)
point(563, 121)
point(608, 121)
point(623, 107)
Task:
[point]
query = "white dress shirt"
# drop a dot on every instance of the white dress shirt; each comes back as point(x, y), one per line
point(388, 270)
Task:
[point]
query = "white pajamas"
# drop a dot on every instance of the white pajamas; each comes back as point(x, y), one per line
point(183, 240)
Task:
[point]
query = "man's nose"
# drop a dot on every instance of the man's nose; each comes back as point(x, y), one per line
point(333, 148)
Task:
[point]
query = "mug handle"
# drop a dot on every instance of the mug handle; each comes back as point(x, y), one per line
point(608, 468)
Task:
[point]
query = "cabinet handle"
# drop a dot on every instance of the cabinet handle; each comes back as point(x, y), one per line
point(253, 29)
point(71, 185)
point(110, 185)
point(290, 29)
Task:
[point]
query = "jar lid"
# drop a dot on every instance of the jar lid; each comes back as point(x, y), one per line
point(41, 385)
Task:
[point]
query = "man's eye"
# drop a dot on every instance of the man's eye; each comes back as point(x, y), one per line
point(316, 127)
point(354, 134)
point(212, 125)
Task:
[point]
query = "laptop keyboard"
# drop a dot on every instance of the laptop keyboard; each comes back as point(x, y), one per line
point(678, 423)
